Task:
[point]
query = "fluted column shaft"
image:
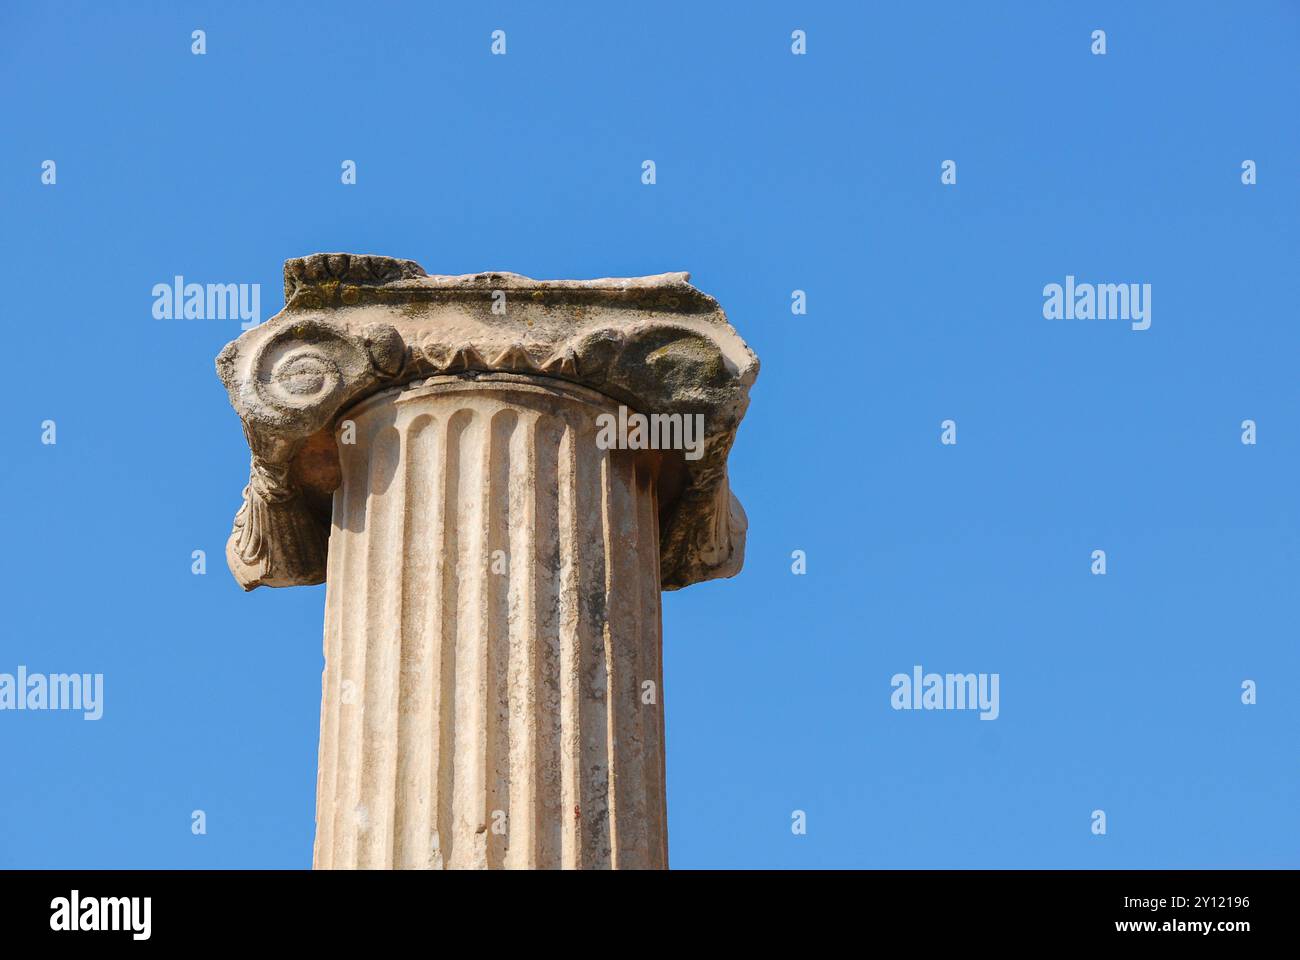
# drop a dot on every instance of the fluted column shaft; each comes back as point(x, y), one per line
point(492, 694)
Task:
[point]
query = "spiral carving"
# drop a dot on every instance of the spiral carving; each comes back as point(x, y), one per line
point(355, 325)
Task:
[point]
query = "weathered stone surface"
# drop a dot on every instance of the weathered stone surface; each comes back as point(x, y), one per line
point(353, 325)
point(492, 685)
point(492, 694)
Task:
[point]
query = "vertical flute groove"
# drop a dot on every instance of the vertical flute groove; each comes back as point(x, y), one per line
point(497, 705)
point(592, 657)
point(323, 854)
point(383, 662)
point(518, 775)
point(624, 639)
point(352, 665)
point(442, 669)
point(570, 644)
point(551, 815)
point(650, 652)
point(492, 617)
point(413, 788)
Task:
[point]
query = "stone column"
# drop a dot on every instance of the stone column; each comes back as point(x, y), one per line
point(492, 613)
point(492, 694)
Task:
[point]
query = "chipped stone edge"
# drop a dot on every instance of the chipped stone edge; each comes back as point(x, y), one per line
point(655, 343)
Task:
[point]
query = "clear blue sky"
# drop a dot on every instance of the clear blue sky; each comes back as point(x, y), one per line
point(775, 172)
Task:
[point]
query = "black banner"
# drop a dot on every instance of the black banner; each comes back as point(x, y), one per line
point(979, 908)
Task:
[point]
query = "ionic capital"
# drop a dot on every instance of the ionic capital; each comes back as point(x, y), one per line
point(355, 325)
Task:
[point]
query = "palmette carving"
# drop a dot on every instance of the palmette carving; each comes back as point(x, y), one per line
point(277, 541)
point(354, 325)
